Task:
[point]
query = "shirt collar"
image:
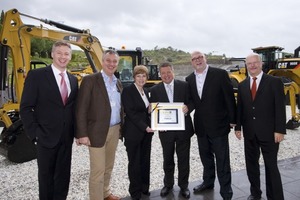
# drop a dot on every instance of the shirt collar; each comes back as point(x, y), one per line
point(204, 71)
point(171, 83)
point(107, 78)
point(258, 77)
point(56, 71)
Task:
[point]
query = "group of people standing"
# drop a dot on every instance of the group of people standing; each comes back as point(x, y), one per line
point(101, 112)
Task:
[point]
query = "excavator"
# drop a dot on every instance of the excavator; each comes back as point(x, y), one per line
point(15, 52)
point(15, 62)
point(277, 63)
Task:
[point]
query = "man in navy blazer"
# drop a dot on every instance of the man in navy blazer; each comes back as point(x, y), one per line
point(215, 109)
point(50, 123)
point(262, 119)
point(172, 141)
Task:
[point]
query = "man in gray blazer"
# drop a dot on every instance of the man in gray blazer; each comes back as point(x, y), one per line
point(261, 116)
point(98, 117)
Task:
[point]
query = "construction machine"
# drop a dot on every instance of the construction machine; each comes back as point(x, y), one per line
point(15, 47)
point(277, 63)
point(15, 51)
point(130, 58)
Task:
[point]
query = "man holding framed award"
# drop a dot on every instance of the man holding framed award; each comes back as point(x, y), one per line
point(171, 116)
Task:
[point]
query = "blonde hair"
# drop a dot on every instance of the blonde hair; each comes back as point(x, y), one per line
point(60, 43)
point(140, 69)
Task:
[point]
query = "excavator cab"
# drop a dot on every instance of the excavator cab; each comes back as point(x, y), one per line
point(131, 58)
point(269, 56)
point(276, 63)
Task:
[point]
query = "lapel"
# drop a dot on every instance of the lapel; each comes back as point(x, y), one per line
point(193, 85)
point(248, 89)
point(101, 85)
point(163, 92)
point(261, 85)
point(135, 91)
point(137, 96)
point(119, 86)
point(175, 91)
point(73, 84)
point(52, 82)
point(147, 93)
point(207, 82)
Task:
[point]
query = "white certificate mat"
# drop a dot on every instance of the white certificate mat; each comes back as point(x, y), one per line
point(167, 116)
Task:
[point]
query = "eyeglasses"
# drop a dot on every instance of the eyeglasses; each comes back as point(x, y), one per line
point(198, 58)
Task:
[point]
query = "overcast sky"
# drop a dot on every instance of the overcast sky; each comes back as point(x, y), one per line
point(230, 27)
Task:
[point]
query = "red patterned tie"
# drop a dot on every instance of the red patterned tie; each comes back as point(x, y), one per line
point(253, 88)
point(63, 89)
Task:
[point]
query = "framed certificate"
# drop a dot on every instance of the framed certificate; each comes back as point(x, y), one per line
point(167, 116)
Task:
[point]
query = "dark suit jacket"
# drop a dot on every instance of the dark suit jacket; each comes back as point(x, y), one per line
point(216, 109)
point(180, 94)
point(42, 111)
point(137, 117)
point(93, 111)
point(266, 114)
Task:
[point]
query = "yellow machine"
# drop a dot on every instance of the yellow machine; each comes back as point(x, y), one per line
point(15, 44)
point(15, 50)
point(129, 58)
point(277, 64)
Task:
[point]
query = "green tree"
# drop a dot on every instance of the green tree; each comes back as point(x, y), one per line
point(41, 47)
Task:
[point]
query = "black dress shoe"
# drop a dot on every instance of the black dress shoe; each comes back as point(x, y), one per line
point(147, 193)
point(251, 197)
point(202, 187)
point(185, 193)
point(165, 191)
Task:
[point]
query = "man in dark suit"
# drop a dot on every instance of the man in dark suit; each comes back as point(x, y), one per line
point(48, 120)
point(262, 117)
point(214, 103)
point(99, 117)
point(172, 141)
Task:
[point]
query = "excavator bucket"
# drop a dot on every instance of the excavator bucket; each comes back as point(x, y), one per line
point(292, 124)
point(16, 146)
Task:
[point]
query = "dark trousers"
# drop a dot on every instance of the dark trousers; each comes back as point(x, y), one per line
point(211, 149)
point(269, 151)
point(171, 143)
point(138, 153)
point(54, 169)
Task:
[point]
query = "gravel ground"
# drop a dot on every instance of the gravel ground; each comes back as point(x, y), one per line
point(19, 181)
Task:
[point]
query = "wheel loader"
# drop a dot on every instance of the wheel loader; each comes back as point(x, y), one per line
point(280, 64)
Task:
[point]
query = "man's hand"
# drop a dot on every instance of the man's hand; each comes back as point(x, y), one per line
point(149, 130)
point(238, 134)
point(185, 109)
point(83, 141)
point(278, 137)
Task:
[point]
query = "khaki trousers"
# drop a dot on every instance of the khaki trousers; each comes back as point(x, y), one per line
point(101, 165)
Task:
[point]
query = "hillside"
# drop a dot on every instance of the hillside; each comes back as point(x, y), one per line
point(179, 57)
